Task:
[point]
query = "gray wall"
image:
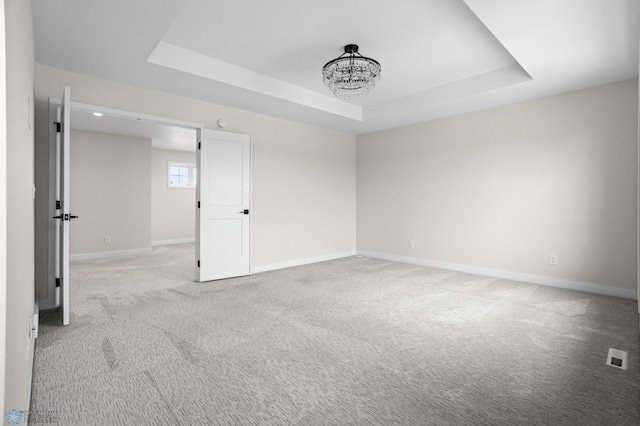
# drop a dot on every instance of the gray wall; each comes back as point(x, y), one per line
point(19, 300)
point(173, 210)
point(503, 189)
point(303, 176)
point(110, 192)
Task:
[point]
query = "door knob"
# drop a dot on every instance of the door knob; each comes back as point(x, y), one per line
point(244, 211)
point(66, 217)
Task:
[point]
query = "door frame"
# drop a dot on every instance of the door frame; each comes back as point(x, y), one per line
point(53, 292)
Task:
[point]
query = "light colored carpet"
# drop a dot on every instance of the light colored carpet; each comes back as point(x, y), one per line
point(355, 341)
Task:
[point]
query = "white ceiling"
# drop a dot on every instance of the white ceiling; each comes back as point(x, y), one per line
point(162, 135)
point(438, 57)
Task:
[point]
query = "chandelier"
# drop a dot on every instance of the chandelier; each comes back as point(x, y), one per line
point(351, 75)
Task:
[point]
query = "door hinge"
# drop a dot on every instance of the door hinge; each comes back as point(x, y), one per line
point(58, 282)
point(198, 263)
point(58, 126)
point(58, 205)
point(198, 204)
point(199, 145)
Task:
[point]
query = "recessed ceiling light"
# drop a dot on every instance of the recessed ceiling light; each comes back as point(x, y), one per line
point(97, 114)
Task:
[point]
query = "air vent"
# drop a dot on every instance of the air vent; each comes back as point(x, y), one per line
point(617, 358)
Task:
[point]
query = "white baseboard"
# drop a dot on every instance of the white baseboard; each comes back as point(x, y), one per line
point(300, 262)
point(169, 242)
point(514, 276)
point(110, 254)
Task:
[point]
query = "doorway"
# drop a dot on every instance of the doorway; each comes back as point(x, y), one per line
point(224, 170)
point(165, 134)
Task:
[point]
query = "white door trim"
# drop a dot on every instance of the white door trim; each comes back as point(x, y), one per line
point(121, 113)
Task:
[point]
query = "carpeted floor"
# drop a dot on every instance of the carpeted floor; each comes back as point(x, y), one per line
point(355, 341)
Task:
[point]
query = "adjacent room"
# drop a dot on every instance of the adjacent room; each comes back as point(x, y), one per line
point(126, 186)
point(415, 212)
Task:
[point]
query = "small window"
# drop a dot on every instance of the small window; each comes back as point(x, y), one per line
point(182, 175)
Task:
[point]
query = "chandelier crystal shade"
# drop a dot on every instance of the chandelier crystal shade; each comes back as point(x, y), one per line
point(351, 75)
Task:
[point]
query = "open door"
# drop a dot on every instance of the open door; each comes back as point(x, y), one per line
point(223, 196)
point(63, 215)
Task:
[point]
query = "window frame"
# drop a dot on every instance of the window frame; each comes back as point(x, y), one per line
point(192, 175)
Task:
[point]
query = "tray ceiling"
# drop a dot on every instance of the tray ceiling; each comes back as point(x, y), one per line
point(438, 57)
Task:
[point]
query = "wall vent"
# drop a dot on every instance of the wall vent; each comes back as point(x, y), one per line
point(617, 358)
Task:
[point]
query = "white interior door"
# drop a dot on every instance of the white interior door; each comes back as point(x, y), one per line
point(223, 195)
point(63, 214)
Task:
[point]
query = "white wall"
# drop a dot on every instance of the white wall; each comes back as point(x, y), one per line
point(3, 205)
point(303, 193)
point(503, 189)
point(110, 192)
point(173, 211)
point(115, 197)
point(303, 176)
point(18, 343)
point(119, 189)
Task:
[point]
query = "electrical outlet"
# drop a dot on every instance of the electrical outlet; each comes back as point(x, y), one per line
point(412, 244)
point(34, 325)
point(107, 240)
point(553, 259)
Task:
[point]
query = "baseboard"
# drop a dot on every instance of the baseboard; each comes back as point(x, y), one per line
point(110, 254)
point(176, 241)
point(514, 276)
point(300, 262)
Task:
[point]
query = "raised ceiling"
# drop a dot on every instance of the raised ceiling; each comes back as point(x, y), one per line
point(438, 57)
